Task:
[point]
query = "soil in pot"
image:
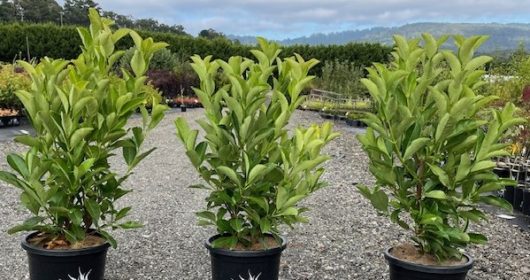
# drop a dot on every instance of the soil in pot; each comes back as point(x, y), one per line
point(63, 262)
point(246, 262)
point(518, 197)
point(407, 263)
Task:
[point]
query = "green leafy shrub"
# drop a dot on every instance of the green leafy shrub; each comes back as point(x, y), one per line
point(342, 77)
point(426, 146)
point(187, 79)
point(162, 60)
point(79, 111)
point(12, 80)
point(508, 84)
point(169, 73)
point(152, 96)
point(256, 173)
point(62, 42)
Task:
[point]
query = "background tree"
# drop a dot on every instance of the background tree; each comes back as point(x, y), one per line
point(37, 10)
point(7, 11)
point(121, 21)
point(211, 34)
point(76, 11)
point(153, 25)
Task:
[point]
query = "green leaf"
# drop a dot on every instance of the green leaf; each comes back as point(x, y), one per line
point(440, 129)
point(291, 211)
point(131, 225)
point(294, 200)
point(200, 186)
point(496, 201)
point(129, 154)
point(79, 135)
point(477, 238)
point(261, 202)
point(237, 224)
point(226, 242)
point(463, 168)
point(379, 200)
point(28, 225)
point(490, 187)
point(18, 164)
point(265, 225)
point(157, 114)
point(207, 215)
point(93, 209)
point(86, 165)
point(122, 213)
point(442, 176)
point(427, 219)
point(257, 171)
point(436, 195)
point(138, 64)
point(27, 140)
point(415, 146)
point(473, 215)
point(230, 173)
point(109, 238)
point(477, 62)
point(483, 165)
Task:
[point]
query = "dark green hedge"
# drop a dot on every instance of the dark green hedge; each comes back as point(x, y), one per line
point(63, 42)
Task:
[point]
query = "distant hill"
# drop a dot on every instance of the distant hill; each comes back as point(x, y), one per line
point(503, 36)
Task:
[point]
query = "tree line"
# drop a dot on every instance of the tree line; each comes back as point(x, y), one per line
point(74, 12)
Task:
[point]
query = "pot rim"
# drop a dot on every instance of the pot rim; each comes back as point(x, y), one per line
point(62, 252)
point(245, 254)
point(429, 268)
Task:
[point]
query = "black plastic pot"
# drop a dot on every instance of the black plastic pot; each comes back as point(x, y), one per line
point(509, 192)
point(9, 121)
point(501, 172)
point(326, 116)
point(403, 270)
point(518, 198)
point(183, 108)
point(62, 264)
point(228, 264)
point(526, 202)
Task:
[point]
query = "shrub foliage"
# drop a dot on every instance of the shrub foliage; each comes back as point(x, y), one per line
point(62, 42)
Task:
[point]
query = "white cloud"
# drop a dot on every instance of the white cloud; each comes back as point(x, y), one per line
point(284, 18)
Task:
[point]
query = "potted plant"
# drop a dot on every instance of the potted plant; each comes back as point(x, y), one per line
point(255, 171)
point(11, 80)
point(431, 154)
point(183, 106)
point(79, 111)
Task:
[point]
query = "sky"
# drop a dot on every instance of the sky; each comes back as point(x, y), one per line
point(280, 19)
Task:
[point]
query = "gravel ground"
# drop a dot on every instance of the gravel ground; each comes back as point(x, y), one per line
point(344, 239)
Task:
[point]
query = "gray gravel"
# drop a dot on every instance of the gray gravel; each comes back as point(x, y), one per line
point(344, 239)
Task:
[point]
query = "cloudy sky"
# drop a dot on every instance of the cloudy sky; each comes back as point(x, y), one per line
point(279, 19)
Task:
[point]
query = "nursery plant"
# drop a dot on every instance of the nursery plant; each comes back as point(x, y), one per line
point(429, 151)
point(79, 111)
point(255, 171)
point(11, 80)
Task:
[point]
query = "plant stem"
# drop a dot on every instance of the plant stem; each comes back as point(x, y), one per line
point(419, 185)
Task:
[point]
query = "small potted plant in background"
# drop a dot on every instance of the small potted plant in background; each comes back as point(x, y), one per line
point(255, 171)
point(11, 80)
point(430, 152)
point(183, 105)
point(79, 111)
